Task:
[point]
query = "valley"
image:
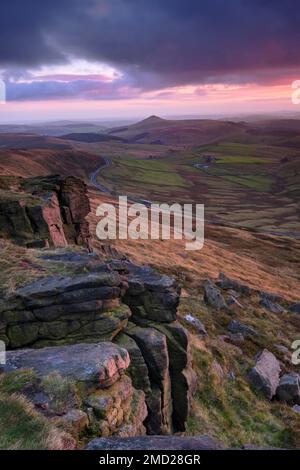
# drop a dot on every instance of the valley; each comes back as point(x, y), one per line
point(251, 194)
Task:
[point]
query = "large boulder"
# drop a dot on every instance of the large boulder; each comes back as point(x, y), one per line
point(46, 291)
point(99, 364)
point(264, 376)
point(288, 389)
point(79, 388)
point(195, 443)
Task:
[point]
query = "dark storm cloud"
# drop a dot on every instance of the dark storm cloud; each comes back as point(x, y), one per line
point(162, 42)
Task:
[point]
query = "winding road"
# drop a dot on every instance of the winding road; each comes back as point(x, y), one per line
point(95, 174)
point(101, 187)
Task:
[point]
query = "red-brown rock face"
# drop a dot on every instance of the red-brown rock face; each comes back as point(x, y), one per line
point(52, 216)
point(45, 211)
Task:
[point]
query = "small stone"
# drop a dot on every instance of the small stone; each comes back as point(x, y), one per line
point(294, 308)
point(232, 301)
point(273, 307)
point(226, 283)
point(231, 375)
point(236, 337)
point(296, 408)
point(197, 324)
point(213, 296)
point(237, 327)
point(282, 348)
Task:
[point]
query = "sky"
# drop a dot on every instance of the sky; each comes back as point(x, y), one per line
point(98, 59)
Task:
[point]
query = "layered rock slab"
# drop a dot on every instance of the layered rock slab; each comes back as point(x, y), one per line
point(156, 443)
point(65, 310)
point(101, 364)
point(101, 398)
point(90, 307)
point(150, 295)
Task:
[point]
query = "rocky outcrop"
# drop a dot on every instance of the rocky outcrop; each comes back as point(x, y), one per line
point(44, 211)
point(100, 398)
point(264, 376)
point(183, 378)
point(94, 305)
point(65, 310)
point(100, 364)
point(156, 443)
point(161, 366)
point(119, 409)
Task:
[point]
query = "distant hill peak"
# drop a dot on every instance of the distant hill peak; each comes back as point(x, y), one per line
point(152, 119)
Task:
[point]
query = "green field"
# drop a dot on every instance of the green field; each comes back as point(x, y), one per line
point(245, 184)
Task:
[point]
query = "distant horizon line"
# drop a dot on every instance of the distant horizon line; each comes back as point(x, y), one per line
point(175, 117)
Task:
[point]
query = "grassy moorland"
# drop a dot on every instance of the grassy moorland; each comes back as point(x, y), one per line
point(225, 405)
point(248, 185)
point(250, 180)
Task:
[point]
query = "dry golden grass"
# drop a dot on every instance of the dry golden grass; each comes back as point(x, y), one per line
point(225, 407)
point(20, 266)
point(266, 262)
point(22, 428)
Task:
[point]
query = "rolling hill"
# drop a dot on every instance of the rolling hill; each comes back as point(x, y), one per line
point(155, 130)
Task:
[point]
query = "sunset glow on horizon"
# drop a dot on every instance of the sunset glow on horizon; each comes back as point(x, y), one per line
point(110, 59)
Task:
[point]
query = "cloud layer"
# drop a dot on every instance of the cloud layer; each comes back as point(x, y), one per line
point(152, 44)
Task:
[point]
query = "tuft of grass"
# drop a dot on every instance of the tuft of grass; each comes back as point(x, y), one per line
point(17, 381)
point(22, 428)
point(61, 390)
point(21, 266)
point(230, 411)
